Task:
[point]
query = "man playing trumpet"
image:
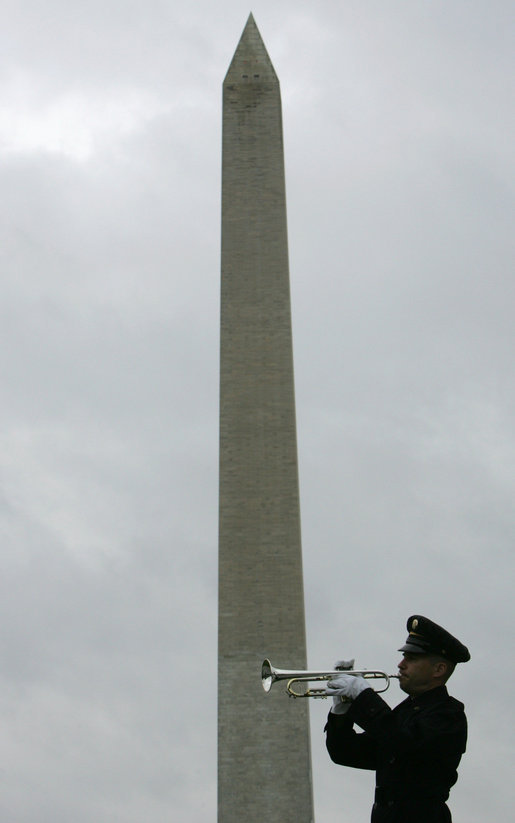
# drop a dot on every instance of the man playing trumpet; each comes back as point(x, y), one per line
point(415, 748)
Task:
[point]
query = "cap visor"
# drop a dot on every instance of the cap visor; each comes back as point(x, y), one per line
point(412, 649)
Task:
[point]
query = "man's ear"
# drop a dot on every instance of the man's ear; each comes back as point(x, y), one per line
point(440, 668)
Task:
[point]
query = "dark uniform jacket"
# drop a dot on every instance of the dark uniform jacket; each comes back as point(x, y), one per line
point(414, 749)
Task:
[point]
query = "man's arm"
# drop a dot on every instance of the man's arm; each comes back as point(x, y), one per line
point(427, 730)
point(347, 747)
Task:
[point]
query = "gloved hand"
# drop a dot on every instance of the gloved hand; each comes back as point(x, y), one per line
point(346, 685)
point(343, 665)
point(342, 706)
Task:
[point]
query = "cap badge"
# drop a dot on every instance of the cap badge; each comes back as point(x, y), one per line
point(414, 624)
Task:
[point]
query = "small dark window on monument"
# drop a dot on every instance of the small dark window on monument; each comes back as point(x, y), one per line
point(244, 75)
point(256, 75)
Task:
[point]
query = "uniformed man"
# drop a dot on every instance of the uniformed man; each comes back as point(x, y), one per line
point(415, 748)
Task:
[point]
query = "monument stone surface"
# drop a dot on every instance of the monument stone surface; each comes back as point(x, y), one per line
point(264, 759)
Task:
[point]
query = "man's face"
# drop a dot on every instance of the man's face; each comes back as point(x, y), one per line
point(418, 673)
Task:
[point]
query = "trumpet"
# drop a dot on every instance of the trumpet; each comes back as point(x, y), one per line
point(270, 675)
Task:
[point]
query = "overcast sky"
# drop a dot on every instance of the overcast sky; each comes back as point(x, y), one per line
point(398, 126)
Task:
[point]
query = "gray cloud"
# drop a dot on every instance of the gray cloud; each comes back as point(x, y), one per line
point(400, 201)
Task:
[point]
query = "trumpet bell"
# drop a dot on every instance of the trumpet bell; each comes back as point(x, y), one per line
point(269, 675)
point(266, 675)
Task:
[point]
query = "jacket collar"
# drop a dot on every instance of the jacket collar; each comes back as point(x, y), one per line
point(430, 697)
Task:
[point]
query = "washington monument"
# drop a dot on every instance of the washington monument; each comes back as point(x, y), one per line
point(264, 760)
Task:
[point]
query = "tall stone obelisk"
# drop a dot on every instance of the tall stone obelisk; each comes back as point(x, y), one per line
point(264, 761)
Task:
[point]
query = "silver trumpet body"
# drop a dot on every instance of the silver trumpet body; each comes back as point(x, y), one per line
point(271, 675)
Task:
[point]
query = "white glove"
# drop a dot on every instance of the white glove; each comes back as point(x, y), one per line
point(342, 706)
point(347, 685)
point(344, 665)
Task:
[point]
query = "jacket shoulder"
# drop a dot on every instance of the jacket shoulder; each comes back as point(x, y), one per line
point(456, 705)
